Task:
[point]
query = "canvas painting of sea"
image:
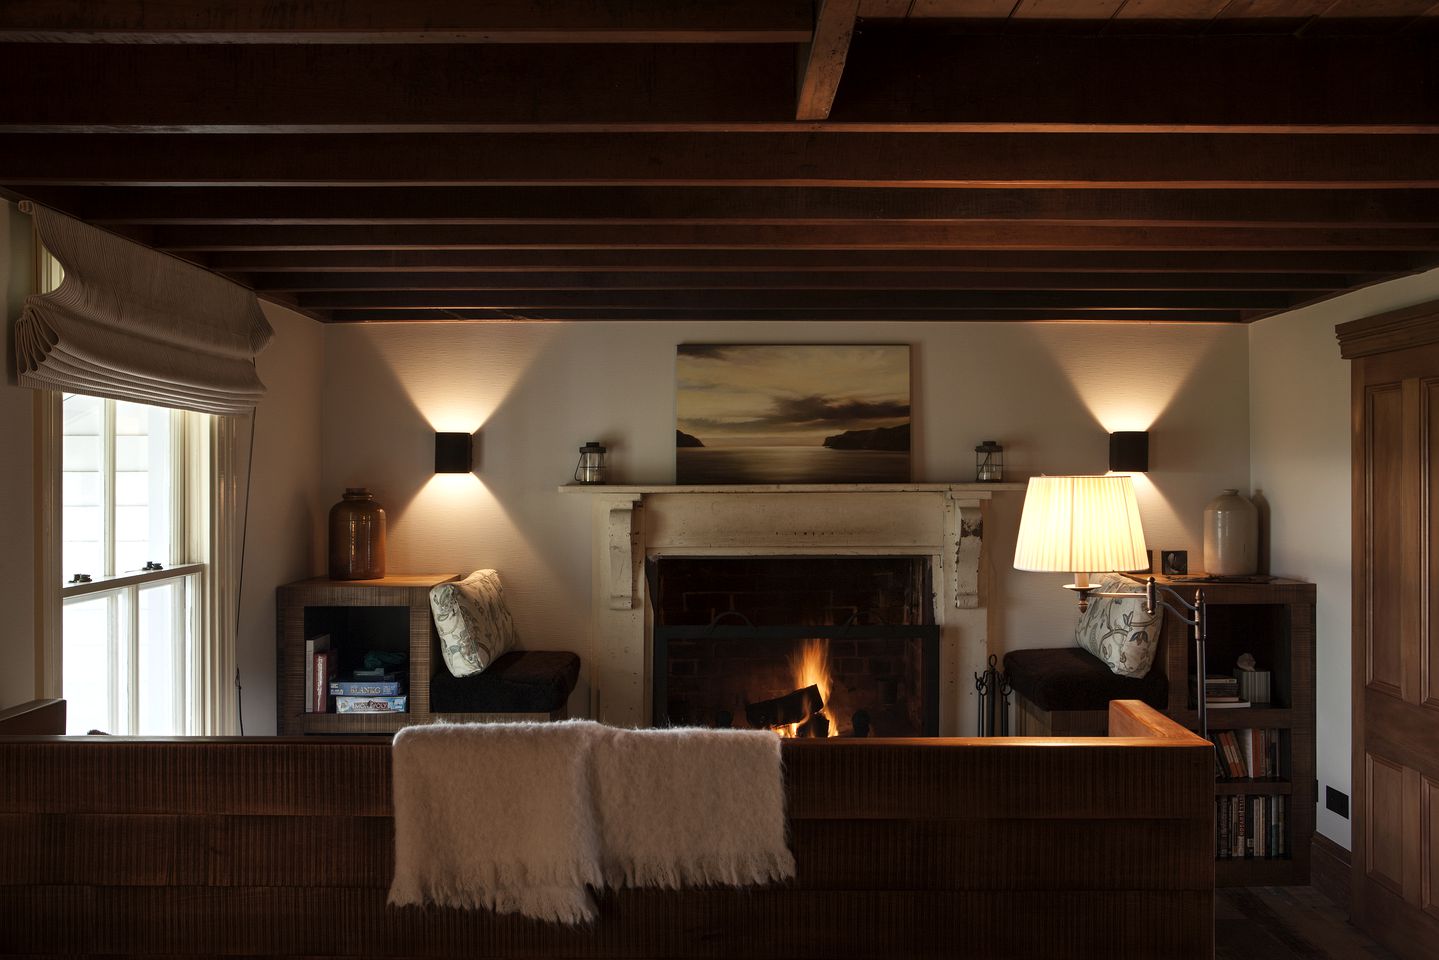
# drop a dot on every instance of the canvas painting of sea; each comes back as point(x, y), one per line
point(817, 413)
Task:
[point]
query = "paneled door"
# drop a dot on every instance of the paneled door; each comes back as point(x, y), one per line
point(1395, 376)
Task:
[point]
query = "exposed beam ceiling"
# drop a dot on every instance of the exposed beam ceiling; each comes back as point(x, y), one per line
point(364, 160)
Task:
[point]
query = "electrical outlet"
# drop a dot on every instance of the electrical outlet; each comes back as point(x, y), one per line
point(1337, 802)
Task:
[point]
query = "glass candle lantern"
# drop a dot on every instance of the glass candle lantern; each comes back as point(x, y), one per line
point(988, 462)
point(591, 467)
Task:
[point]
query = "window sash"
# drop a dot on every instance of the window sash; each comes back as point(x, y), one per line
point(126, 690)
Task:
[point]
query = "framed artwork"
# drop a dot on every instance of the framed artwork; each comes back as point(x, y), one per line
point(1176, 563)
point(813, 413)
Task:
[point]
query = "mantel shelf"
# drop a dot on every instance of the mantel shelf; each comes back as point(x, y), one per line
point(975, 490)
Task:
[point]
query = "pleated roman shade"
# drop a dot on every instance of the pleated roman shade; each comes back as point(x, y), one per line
point(129, 323)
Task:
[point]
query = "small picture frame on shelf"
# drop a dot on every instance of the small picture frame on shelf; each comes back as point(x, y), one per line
point(1174, 563)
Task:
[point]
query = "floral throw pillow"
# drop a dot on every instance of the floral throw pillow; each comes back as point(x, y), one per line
point(473, 622)
point(1119, 632)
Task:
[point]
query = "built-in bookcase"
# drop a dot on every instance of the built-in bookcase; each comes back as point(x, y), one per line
point(1274, 622)
point(391, 614)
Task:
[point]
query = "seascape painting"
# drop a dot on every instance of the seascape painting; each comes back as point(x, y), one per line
point(792, 414)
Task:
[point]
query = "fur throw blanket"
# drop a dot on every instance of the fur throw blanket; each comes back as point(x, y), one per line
point(525, 817)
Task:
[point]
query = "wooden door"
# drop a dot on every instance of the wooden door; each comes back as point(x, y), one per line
point(1395, 374)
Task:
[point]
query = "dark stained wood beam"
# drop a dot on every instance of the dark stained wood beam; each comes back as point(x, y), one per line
point(804, 158)
point(827, 316)
point(920, 79)
point(840, 301)
point(881, 235)
point(400, 89)
point(822, 59)
point(937, 76)
point(296, 205)
point(406, 21)
point(826, 261)
point(749, 280)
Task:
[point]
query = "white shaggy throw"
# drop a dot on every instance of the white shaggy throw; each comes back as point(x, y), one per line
point(523, 817)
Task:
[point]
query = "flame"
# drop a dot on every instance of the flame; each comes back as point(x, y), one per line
point(811, 667)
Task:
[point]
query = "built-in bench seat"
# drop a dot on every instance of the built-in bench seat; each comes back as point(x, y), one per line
point(1065, 691)
point(519, 685)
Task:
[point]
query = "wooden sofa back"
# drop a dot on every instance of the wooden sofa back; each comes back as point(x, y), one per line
point(1003, 847)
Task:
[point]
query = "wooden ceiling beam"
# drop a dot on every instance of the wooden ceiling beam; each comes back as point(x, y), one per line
point(826, 316)
point(803, 158)
point(927, 76)
point(821, 60)
point(908, 236)
point(840, 301)
point(408, 22)
point(747, 280)
point(759, 205)
point(391, 88)
point(826, 261)
point(920, 79)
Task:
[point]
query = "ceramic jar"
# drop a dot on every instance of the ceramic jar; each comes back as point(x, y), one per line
point(1231, 536)
point(357, 537)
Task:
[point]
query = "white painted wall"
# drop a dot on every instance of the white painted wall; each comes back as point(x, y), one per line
point(286, 539)
point(17, 492)
point(1049, 392)
point(1299, 465)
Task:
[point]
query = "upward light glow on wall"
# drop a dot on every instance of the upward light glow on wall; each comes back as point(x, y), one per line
point(1127, 379)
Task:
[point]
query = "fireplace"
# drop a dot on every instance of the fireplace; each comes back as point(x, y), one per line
point(634, 528)
point(810, 646)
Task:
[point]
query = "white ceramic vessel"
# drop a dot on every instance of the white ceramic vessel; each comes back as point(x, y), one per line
point(1231, 536)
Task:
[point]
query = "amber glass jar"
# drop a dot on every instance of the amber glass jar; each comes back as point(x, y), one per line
point(357, 537)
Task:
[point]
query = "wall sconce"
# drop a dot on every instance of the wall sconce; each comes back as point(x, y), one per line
point(1129, 451)
point(454, 453)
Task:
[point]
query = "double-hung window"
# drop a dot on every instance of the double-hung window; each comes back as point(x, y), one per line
point(131, 600)
point(140, 497)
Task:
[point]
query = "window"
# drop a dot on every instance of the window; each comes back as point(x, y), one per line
point(131, 601)
point(145, 503)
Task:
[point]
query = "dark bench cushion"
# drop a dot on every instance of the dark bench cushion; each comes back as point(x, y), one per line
point(521, 681)
point(1068, 678)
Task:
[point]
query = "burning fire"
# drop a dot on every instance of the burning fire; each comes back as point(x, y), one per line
point(811, 667)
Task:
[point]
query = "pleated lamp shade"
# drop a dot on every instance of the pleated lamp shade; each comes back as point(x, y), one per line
point(1080, 525)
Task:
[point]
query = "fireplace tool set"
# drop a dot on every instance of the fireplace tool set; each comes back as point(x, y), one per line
point(994, 689)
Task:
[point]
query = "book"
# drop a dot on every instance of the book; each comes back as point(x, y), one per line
point(366, 688)
point(313, 645)
point(1226, 743)
point(371, 704)
point(1225, 704)
point(320, 690)
point(1253, 685)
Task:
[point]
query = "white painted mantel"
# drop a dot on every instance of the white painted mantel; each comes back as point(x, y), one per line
point(942, 521)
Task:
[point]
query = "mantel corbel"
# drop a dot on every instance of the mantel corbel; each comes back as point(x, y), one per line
point(965, 542)
point(621, 532)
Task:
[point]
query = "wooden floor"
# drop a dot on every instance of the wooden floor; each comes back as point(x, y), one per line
point(1286, 923)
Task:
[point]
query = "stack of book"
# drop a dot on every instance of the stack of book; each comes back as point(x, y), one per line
point(370, 691)
point(1253, 684)
point(1246, 754)
point(1221, 691)
point(1251, 828)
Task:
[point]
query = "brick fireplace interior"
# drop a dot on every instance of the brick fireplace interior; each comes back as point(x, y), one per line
point(809, 646)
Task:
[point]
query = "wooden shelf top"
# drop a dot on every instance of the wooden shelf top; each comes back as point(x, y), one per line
point(1251, 787)
point(975, 489)
point(392, 580)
